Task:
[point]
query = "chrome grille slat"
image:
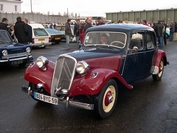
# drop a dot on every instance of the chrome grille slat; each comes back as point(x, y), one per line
point(63, 73)
point(14, 55)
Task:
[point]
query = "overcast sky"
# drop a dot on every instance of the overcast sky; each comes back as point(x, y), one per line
point(94, 7)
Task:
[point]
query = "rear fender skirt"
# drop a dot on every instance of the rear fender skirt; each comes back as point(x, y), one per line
point(158, 56)
point(93, 82)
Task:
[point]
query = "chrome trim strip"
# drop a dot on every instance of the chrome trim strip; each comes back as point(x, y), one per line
point(15, 55)
point(81, 105)
point(22, 58)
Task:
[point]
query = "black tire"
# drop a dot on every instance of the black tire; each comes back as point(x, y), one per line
point(103, 106)
point(158, 76)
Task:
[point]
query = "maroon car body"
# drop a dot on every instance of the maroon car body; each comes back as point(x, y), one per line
point(90, 78)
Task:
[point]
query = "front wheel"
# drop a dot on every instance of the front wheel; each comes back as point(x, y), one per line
point(158, 76)
point(106, 101)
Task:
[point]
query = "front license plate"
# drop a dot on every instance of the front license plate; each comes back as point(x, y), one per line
point(41, 39)
point(17, 62)
point(57, 38)
point(45, 98)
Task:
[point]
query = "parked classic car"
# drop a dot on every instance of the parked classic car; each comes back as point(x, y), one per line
point(90, 78)
point(13, 53)
point(40, 37)
point(56, 35)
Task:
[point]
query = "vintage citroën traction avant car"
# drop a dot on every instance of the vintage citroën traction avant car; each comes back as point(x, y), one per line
point(90, 78)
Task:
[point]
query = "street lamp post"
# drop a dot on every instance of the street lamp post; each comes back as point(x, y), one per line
point(31, 5)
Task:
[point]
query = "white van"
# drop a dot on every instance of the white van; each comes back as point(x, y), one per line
point(40, 37)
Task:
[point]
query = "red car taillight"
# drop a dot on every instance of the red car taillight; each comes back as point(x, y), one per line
point(33, 41)
point(50, 39)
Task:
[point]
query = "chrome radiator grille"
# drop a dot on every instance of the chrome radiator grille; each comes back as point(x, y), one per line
point(63, 73)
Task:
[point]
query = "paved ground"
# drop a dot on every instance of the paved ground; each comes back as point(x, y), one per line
point(151, 107)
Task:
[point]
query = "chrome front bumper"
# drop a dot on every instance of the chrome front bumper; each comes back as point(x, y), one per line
point(66, 101)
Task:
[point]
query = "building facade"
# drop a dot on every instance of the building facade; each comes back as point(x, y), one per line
point(10, 6)
point(167, 15)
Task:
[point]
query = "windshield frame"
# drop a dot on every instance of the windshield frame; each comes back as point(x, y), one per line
point(109, 35)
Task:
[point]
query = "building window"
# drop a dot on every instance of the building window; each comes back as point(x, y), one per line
point(15, 8)
point(1, 7)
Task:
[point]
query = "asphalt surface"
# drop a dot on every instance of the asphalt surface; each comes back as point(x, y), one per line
point(151, 107)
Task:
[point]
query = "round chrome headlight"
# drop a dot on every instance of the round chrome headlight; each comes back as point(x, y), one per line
point(28, 49)
point(4, 53)
point(41, 62)
point(82, 67)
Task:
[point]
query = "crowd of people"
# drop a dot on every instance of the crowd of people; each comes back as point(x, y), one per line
point(80, 28)
point(20, 32)
point(160, 29)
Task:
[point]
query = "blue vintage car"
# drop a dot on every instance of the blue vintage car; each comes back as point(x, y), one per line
point(13, 53)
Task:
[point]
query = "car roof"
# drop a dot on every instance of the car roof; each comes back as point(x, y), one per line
point(121, 27)
point(36, 25)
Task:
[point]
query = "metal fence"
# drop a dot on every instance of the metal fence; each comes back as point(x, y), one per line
point(36, 17)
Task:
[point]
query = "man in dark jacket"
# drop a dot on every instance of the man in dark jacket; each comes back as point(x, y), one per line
point(159, 32)
point(164, 34)
point(3, 24)
point(21, 31)
point(29, 30)
point(68, 33)
point(76, 31)
point(99, 21)
point(88, 23)
point(172, 30)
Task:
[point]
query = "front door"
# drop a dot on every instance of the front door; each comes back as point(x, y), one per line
point(135, 59)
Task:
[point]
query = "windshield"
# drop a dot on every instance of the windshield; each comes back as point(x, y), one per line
point(111, 39)
point(5, 37)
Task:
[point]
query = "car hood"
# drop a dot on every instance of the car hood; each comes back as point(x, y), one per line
point(107, 60)
point(12, 45)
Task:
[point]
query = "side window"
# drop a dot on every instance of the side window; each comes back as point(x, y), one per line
point(150, 40)
point(136, 41)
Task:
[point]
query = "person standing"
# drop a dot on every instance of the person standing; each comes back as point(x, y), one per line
point(164, 32)
point(76, 31)
point(4, 24)
point(68, 33)
point(145, 23)
point(159, 32)
point(21, 31)
point(172, 30)
point(29, 30)
point(99, 21)
point(81, 33)
point(88, 24)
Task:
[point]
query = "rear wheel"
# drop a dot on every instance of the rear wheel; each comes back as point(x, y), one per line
point(106, 101)
point(158, 76)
